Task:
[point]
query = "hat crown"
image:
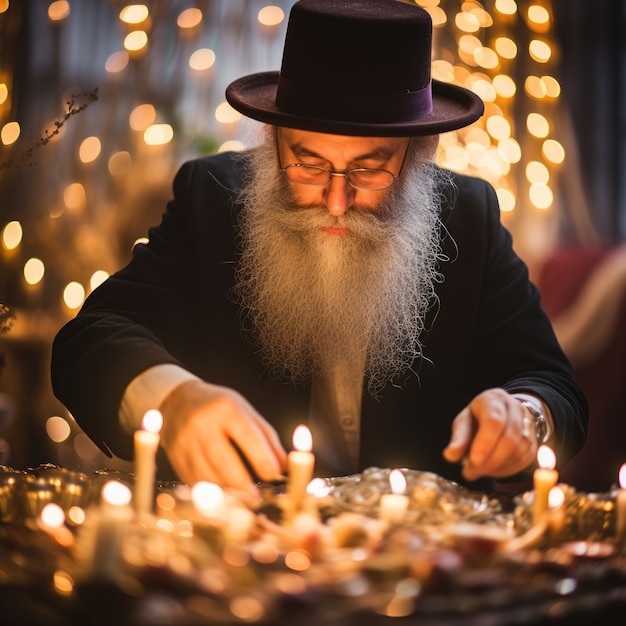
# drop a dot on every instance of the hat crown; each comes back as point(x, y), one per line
point(365, 47)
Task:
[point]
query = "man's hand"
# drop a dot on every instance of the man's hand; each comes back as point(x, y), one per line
point(206, 429)
point(494, 436)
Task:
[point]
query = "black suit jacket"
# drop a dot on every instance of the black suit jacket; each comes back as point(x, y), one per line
point(171, 304)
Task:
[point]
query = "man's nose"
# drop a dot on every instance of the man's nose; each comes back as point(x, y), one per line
point(339, 195)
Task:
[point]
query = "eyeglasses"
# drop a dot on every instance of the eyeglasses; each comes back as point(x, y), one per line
point(358, 177)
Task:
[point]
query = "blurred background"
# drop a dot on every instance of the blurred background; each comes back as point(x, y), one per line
point(101, 102)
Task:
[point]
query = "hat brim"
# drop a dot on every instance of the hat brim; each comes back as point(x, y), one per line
point(453, 107)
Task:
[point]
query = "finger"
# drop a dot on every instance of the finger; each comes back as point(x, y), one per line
point(463, 429)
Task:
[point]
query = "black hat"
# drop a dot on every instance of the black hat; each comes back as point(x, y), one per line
point(356, 67)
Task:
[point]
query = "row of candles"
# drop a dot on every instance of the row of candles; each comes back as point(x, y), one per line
point(548, 503)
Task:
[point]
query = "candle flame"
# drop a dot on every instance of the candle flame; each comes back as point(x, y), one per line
point(397, 481)
point(152, 421)
point(115, 492)
point(622, 476)
point(546, 457)
point(556, 497)
point(302, 439)
point(318, 487)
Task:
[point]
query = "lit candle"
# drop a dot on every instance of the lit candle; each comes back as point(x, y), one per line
point(146, 444)
point(557, 513)
point(393, 505)
point(544, 478)
point(115, 511)
point(300, 466)
point(620, 505)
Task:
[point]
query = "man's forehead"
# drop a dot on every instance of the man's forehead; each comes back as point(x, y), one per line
point(318, 142)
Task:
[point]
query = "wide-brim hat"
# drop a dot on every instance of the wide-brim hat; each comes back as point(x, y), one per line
point(356, 67)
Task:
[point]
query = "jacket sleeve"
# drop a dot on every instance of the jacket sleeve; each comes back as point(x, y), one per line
point(515, 346)
point(138, 317)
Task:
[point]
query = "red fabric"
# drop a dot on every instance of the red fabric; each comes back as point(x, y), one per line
point(596, 466)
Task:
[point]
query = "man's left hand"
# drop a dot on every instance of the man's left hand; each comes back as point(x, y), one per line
point(493, 436)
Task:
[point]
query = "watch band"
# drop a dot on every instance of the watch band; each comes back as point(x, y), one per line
point(541, 423)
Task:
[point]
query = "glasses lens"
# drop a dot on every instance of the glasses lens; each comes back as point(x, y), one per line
point(370, 179)
point(307, 174)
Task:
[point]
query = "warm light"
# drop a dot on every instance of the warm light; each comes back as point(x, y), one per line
point(97, 278)
point(537, 172)
point(537, 125)
point(52, 515)
point(484, 89)
point(116, 493)
point(622, 476)
point(136, 40)
point(504, 85)
point(189, 18)
point(538, 14)
point(541, 195)
point(486, 57)
point(506, 47)
point(556, 498)
point(437, 15)
point(397, 481)
point(158, 134)
point(318, 487)
point(4, 92)
point(10, 133)
point(116, 62)
point(302, 439)
point(73, 295)
point(12, 235)
point(119, 162)
point(207, 497)
point(152, 421)
point(552, 86)
point(34, 270)
point(202, 59)
point(77, 515)
point(134, 13)
point(75, 196)
point(442, 70)
point(469, 44)
point(506, 200)
point(506, 7)
point(271, 16)
point(63, 583)
point(510, 150)
point(539, 51)
point(142, 116)
point(553, 151)
point(297, 561)
point(467, 22)
point(225, 114)
point(247, 608)
point(546, 457)
point(59, 10)
point(89, 149)
point(4, 5)
point(498, 127)
point(58, 429)
point(231, 145)
point(535, 87)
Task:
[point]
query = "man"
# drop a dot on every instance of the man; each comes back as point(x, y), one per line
point(333, 276)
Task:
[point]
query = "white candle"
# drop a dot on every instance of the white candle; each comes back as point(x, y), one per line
point(146, 443)
point(300, 463)
point(114, 511)
point(544, 478)
point(620, 505)
point(393, 506)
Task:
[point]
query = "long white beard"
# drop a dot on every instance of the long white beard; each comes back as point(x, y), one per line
point(315, 302)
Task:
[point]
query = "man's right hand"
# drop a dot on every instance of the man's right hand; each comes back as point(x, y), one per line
point(206, 429)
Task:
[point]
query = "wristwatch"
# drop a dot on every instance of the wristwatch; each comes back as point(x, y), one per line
point(541, 422)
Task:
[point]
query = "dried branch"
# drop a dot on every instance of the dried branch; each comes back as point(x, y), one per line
point(26, 158)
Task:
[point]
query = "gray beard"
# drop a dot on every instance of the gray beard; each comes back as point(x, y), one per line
point(315, 302)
